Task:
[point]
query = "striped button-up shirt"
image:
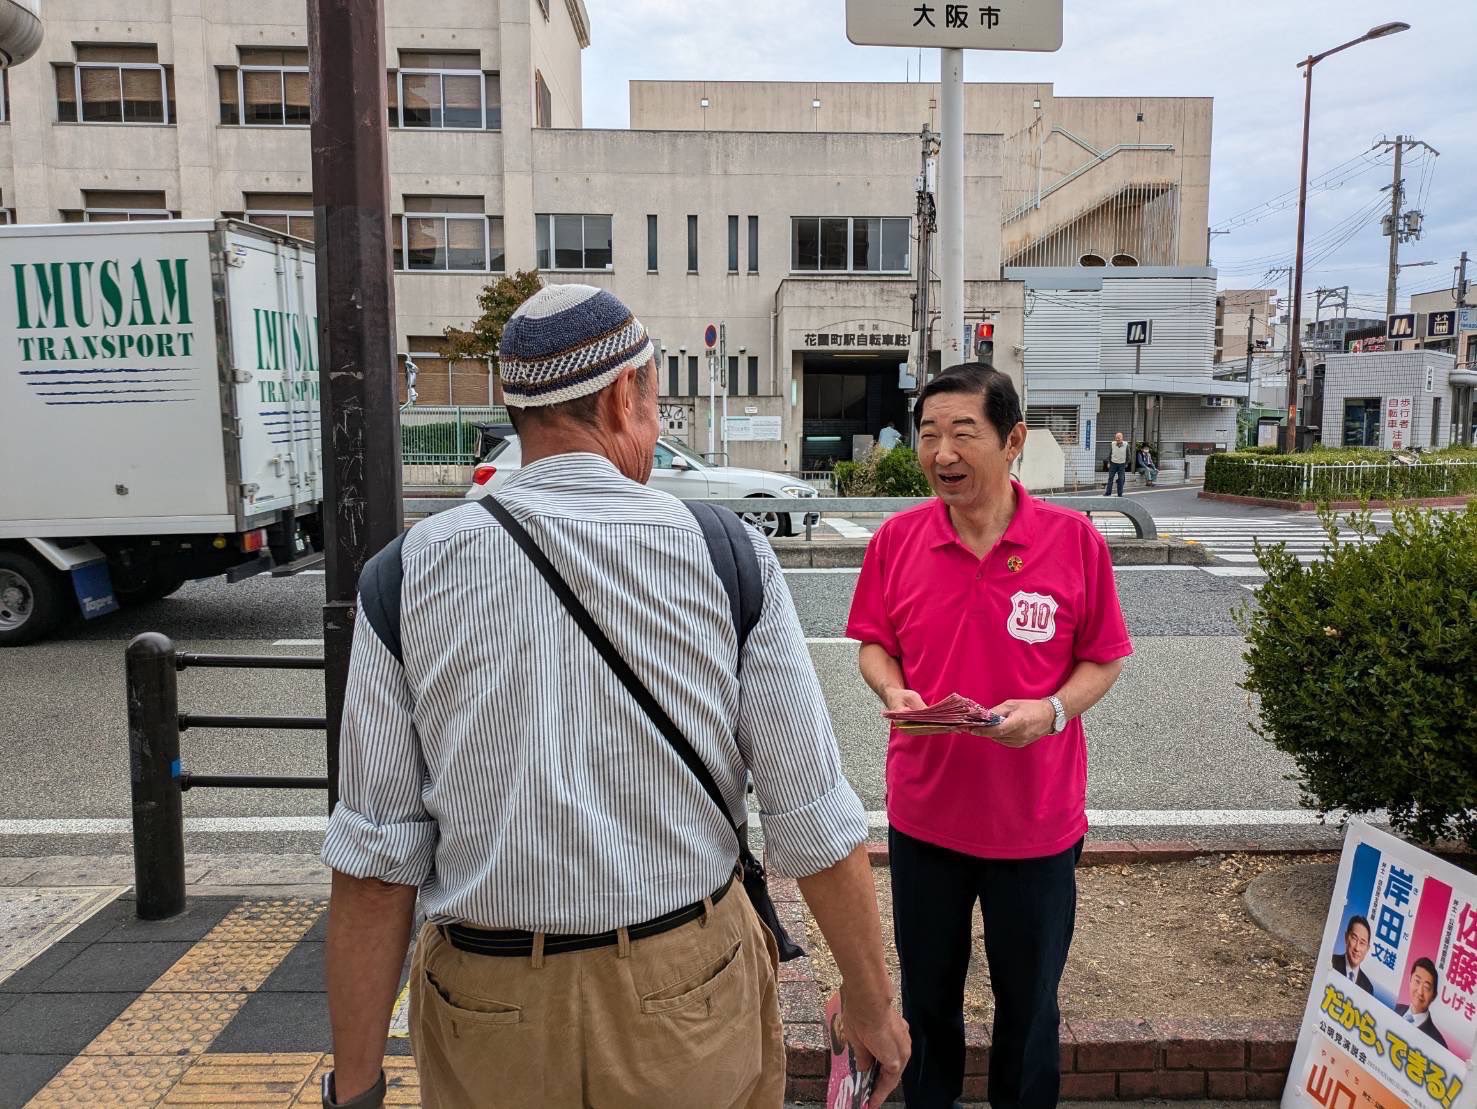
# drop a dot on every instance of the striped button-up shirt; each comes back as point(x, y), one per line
point(504, 769)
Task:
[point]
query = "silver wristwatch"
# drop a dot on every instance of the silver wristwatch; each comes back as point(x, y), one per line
point(1058, 725)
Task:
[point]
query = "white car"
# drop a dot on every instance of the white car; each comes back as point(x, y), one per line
point(676, 470)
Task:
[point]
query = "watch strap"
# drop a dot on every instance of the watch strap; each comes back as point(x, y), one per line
point(1058, 725)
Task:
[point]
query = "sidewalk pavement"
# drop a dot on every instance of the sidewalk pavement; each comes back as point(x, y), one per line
point(224, 1005)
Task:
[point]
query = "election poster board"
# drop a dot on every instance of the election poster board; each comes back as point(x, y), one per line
point(1392, 1015)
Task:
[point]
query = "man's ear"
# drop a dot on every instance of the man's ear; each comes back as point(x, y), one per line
point(620, 401)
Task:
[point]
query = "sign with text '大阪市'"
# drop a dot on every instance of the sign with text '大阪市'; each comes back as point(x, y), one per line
point(1392, 1017)
point(983, 25)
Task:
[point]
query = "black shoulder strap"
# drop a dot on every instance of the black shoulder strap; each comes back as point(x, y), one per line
point(379, 594)
point(634, 686)
point(733, 558)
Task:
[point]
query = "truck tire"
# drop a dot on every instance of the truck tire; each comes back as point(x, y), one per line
point(31, 599)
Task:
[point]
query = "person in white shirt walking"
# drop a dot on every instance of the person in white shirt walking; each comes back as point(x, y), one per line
point(1117, 464)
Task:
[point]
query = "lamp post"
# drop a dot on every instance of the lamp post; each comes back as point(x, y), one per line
point(1295, 350)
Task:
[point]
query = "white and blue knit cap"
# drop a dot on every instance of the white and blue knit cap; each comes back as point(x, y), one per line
point(565, 342)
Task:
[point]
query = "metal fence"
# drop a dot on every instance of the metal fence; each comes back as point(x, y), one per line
point(437, 435)
point(1353, 480)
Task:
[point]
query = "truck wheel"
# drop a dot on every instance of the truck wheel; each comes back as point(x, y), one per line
point(31, 601)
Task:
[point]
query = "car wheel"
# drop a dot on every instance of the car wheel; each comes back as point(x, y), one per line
point(770, 524)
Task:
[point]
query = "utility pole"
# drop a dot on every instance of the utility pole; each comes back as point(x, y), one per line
point(1400, 227)
point(356, 311)
point(927, 183)
point(1250, 319)
point(1460, 293)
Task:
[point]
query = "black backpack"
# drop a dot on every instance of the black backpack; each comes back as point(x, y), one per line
point(729, 549)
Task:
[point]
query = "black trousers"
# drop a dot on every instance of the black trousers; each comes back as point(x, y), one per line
point(1029, 908)
point(1116, 472)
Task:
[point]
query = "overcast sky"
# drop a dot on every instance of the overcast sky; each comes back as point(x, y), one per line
point(1244, 54)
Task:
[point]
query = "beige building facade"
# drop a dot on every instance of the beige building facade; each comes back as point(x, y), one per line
point(784, 214)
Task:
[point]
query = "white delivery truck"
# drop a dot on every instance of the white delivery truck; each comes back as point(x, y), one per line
point(158, 413)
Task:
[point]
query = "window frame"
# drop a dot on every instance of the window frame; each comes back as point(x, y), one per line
point(417, 71)
point(130, 215)
point(153, 67)
point(851, 222)
point(653, 241)
point(733, 244)
point(4, 94)
point(692, 244)
point(753, 244)
point(289, 214)
point(553, 248)
point(1039, 417)
point(282, 71)
point(487, 257)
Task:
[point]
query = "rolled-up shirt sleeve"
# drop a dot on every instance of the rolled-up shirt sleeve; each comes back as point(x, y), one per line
point(380, 827)
point(811, 815)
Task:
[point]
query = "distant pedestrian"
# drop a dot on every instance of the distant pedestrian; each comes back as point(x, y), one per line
point(523, 771)
point(1145, 463)
point(889, 437)
point(1117, 464)
point(989, 593)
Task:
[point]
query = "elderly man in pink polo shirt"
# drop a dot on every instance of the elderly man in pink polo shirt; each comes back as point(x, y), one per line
point(989, 593)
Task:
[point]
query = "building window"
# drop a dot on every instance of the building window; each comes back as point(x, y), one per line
point(289, 213)
point(674, 375)
point(117, 206)
point(753, 376)
point(447, 234)
point(733, 244)
point(692, 375)
point(444, 91)
point(115, 84)
point(731, 378)
point(543, 102)
point(753, 244)
point(570, 242)
point(4, 94)
point(651, 253)
point(268, 89)
point(840, 244)
point(1060, 420)
point(692, 244)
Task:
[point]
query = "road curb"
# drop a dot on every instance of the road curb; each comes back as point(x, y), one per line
point(1337, 506)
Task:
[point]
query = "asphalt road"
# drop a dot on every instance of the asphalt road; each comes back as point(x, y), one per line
point(1171, 751)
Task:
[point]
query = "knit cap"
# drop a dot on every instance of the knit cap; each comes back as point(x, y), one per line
point(565, 342)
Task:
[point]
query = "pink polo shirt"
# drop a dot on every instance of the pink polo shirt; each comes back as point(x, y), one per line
point(1012, 625)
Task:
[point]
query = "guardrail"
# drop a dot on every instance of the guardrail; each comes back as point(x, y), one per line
point(812, 507)
point(157, 775)
point(1309, 480)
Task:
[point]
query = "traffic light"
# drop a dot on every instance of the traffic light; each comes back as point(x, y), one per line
point(984, 341)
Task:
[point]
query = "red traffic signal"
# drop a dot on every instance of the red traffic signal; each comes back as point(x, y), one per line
point(983, 331)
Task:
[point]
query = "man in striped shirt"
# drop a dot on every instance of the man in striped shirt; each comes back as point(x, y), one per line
point(586, 942)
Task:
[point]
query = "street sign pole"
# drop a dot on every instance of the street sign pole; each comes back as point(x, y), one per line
point(356, 307)
point(951, 203)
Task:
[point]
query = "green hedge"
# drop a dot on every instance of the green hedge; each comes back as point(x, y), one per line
point(1364, 664)
point(1345, 475)
point(882, 473)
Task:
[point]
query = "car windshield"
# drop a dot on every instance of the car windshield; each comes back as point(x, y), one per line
point(678, 448)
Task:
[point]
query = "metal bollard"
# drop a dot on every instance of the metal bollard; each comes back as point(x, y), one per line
point(153, 755)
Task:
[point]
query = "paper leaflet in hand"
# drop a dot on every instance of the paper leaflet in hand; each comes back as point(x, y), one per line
point(953, 713)
point(849, 1086)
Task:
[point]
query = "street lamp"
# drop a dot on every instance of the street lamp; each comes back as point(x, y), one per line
point(1294, 362)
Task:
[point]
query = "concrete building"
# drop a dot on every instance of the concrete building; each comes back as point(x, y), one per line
point(1389, 399)
point(784, 212)
point(1462, 345)
point(1126, 350)
point(1240, 313)
point(1332, 335)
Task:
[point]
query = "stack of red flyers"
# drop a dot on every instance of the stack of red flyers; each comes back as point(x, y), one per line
point(953, 714)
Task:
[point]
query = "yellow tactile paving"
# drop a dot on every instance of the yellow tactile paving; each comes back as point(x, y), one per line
point(168, 1024)
point(151, 1053)
point(95, 1081)
point(227, 1080)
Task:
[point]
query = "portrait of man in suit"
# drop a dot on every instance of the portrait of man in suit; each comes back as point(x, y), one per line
point(1422, 993)
point(1356, 947)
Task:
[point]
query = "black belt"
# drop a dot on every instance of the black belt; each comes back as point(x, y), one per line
point(480, 941)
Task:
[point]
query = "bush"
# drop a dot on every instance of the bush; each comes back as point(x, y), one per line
point(1350, 474)
point(1364, 663)
point(890, 473)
